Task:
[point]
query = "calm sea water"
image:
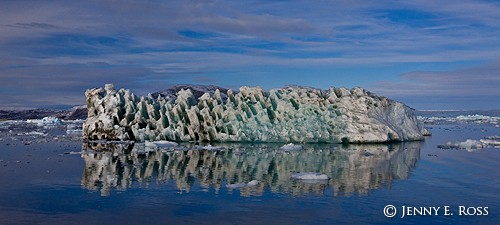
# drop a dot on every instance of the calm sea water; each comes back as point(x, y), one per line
point(57, 179)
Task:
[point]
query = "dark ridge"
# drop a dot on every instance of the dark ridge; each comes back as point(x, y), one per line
point(78, 112)
point(197, 90)
point(26, 114)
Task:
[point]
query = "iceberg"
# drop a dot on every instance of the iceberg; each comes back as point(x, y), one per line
point(290, 114)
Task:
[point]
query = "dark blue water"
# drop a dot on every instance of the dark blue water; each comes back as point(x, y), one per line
point(123, 184)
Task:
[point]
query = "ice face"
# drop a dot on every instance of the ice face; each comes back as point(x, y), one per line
point(291, 114)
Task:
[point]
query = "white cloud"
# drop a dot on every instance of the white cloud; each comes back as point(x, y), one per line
point(481, 80)
point(249, 36)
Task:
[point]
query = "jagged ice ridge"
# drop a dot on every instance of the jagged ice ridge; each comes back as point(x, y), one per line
point(290, 114)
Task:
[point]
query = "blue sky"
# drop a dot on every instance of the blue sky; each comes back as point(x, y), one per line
point(427, 54)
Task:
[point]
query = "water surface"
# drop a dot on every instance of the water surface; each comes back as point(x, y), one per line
point(57, 179)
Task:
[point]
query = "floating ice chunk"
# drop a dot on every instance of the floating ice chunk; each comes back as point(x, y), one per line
point(476, 118)
point(494, 137)
point(490, 142)
point(46, 121)
point(470, 144)
point(160, 144)
point(76, 131)
point(291, 147)
point(241, 185)
point(212, 148)
point(74, 153)
point(35, 133)
point(309, 176)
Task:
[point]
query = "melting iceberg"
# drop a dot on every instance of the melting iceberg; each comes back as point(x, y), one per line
point(291, 114)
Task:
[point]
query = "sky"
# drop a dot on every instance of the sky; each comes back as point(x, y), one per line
point(429, 55)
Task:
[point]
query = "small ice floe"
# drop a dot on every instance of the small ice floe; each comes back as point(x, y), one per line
point(291, 147)
point(74, 153)
point(467, 144)
point(46, 121)
point(494, 137)
point(160, 144)
point(76, 131)
point(476, 118)
point(471, 145)
point(35, 133)
point(212, 148)
point(241, 185)
point(309, 176)
point(491, 142)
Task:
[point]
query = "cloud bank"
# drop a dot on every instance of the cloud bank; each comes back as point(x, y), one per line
point(50, 52)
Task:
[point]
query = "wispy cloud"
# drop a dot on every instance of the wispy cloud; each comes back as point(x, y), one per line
point(477, 84)
point(146, 44)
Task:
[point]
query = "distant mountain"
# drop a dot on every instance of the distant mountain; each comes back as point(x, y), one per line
point(197, 90)
point(22, 114)
point(77, 112)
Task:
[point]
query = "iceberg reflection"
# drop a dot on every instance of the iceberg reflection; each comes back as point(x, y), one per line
point(352, 169)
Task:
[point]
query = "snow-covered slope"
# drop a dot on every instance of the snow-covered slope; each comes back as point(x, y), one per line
point(290, 114)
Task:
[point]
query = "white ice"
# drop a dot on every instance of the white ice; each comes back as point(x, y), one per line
point(212, 148)
point(476, 118)
point(472, 145)
point(291, 147)
point(36, 133)
point(160, 144)
point(46, 121)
